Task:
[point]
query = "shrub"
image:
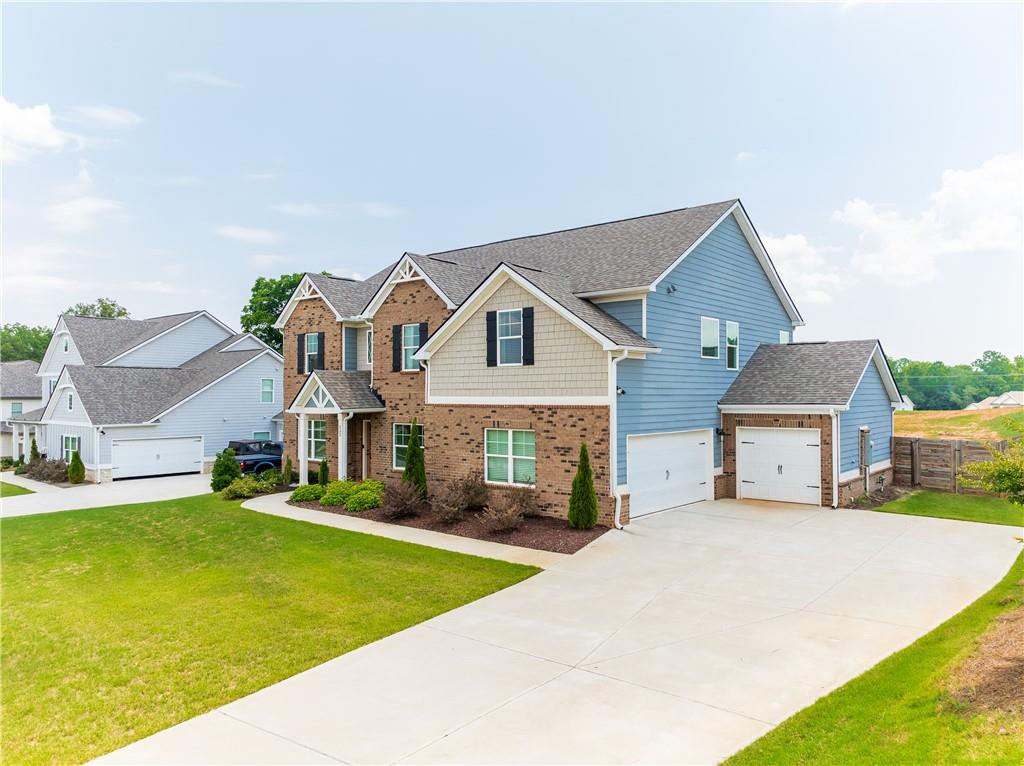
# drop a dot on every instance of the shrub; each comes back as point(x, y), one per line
point(287, 473)
point(583, 500)
point(338, 492)
point(271, 476)
point(307, 493)
point(502, 515)
point(322, 476)
point(247, 486)
point(415, 472)
point(225, 470)
point(525, 499)
point(6, 462)
point(76, 471)
point(33, 454)
point(20, 468)
point(474, 493)
point(363, 499)
point(401, 498)
point(41, 469)
point(449, 504)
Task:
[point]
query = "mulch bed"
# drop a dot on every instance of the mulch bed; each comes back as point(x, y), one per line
point(878, 497)
point(992, 678)
point(540, 532)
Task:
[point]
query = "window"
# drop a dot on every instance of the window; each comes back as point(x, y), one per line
point(71, 402)
point(708, 338)
point(410, 342)
point(70, 445)
point(66, 344)
point(266, 391)
point(53, 384)
point(510, 456)
point(262, 436)
point(312, 350)
point(510, 337)
point(16, 409)
point(732, 345)
point(316, 441)
point(784, 336)
point(369, 348)
point(400, 434)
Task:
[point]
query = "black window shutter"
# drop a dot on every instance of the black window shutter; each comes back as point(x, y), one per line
point(320, 351)
point(300, 352)
point(423, 333)
point(528, 335)
point(396, 348)
point(492, 338)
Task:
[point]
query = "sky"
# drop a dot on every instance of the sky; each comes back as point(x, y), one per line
point(167, 155)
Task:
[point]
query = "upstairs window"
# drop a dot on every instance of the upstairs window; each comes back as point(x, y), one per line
point(312, 350)
point(66, 344)
point(70, 445)
point(267, 391)
point(732, 345)
point(709, 343)
point(410, 342)
point(369, 348)
point(785, 336)
point(71, 402)
point(510, 337)
point(16, 409)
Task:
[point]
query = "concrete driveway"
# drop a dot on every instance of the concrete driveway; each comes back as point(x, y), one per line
point(49, 499)
point(679, 640)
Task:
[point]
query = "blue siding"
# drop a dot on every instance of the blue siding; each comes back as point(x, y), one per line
point(870, 407)
point(630, 313)
point(177, 346)
point(351, 348)
point(676, 389)
point(52, 442)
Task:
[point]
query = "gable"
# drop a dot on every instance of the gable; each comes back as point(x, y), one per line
point(406, 271)
point(55, 358)
point(175, 346)
point(56, 406)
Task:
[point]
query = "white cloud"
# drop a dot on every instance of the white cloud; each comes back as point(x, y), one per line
point(80, 213)
point(246, 234)
point(300, 209)
point(267, 261)
point(195, 77)
point(974, 212)
point(379, 209)
point(742, 157)
point(28, 130)
point(107, 116)
point(803, 268)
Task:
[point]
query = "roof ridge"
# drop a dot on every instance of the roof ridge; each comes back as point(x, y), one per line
point(580, 228)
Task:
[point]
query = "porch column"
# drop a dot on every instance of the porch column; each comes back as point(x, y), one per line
point(25, 445)
point(343, 444)
point(300, 442)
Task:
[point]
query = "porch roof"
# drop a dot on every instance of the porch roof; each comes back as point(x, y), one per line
point(350, 391)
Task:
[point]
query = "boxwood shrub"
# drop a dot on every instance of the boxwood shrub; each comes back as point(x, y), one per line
point(307, 493)
point(338, 492)
point(363, 499)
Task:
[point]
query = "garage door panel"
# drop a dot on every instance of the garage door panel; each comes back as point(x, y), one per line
point(780, 464)
point(667, 470)
point(156, 457)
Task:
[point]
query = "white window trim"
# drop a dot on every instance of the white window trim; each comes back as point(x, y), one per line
point(273, 391)
point(71, 402)
point(519, 337)
point(416, 367)
point(729, 345)
point(718, 338)
point(510, 458)
point(311, 442)
point(21, 409)
point(369, 347)
point(269, 434)
point(309, 367)
point(394, 445)
point(64, 449)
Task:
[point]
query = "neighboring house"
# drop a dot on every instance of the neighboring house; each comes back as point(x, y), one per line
point(984, 404)
point(152, 396)
point(19, 392)
point(1009, 399)
point(623, 335)
point(906, 405)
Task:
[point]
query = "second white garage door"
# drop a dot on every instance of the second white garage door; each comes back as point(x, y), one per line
point(782, 464)
point(668, 469)
point(156, 457)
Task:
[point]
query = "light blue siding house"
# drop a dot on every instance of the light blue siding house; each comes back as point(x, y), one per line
point(153, 396)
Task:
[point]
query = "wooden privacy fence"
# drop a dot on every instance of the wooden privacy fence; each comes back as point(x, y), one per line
point(934, 463)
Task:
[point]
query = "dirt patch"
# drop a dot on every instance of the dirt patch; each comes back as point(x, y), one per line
point(992, 678)
point(952, 424)
point(541, 532)
point(878, 498)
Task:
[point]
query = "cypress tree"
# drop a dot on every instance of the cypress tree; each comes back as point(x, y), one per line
point(286, 471)
point(415, 469)
point(321, 476)
point(225, 470)
point(33, 454)
point(583, 500)
point(76, 471)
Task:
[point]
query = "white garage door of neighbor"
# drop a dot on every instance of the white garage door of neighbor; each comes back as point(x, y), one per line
point(782, 464)
point(668, 469)
point(155, 457)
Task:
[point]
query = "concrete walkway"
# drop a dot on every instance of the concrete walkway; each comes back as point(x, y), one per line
point(679, 640)
point(49, 499)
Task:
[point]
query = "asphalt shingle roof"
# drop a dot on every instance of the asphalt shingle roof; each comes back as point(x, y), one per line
point(18, 380)
point(350, 390)
point(98, 339)
point(346, 296)
point(32, 416)
point(801, 373)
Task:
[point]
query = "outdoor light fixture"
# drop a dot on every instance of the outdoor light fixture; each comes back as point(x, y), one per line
point(620, 390)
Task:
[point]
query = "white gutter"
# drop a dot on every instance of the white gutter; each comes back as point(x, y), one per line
point(613, 433)
point(836, 436)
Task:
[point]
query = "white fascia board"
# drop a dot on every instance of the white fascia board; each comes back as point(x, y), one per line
point(523, 400)
point(312, 380)
point(60, 328)
point(64, 383)
point(304, 290)
point(388, 285)
point(193, 395)
point(181, 324)
point(610, 296)
point(878, 357)
point(250, 335)
point(654, 285)
point(781, 409)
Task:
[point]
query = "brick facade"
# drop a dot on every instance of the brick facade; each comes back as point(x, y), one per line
point(730, 422)
point(851, 489)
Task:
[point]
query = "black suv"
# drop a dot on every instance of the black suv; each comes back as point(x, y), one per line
point(257, 456)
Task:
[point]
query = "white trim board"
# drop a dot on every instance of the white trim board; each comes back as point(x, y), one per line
point(304, 290)
point(781, 409)
point(401, 273)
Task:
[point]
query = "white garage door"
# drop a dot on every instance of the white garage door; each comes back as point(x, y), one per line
point(668, 469)
point(155, 457)
point(781, 464)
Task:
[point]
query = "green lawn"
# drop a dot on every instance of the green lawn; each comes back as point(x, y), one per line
point(945, 505)
point(899, 712)
point(121, 621)
point(12, 490)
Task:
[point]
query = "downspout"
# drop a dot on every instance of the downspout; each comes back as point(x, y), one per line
point(613, 432)
point(836, 437)
point(343, 445)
